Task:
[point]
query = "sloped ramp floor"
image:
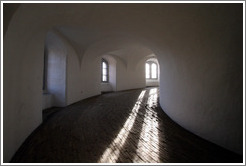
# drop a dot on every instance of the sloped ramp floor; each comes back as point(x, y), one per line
point(127, 126)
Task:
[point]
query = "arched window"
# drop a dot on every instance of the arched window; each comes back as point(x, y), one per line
point(104, 70)
point(151, 70)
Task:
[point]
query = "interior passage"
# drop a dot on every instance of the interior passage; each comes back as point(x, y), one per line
point(127, 126)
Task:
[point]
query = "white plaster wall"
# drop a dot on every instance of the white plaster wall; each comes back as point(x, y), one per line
point(106, 87)
point(91, 70)
point(131, 69)
point(47, 101)
point(152, 83)
point(129, 77)
point(74, 80)
point(201, 81)
point(22, 84)
point(75, 91)
point(82, 80)
point(112, 73)
point(125, 56)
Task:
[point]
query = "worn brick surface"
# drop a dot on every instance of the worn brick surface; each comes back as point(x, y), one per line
point(117, 127)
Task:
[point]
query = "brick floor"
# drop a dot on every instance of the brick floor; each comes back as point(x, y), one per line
point(125, 127)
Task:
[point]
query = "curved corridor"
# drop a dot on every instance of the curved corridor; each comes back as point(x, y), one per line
point(127, 126)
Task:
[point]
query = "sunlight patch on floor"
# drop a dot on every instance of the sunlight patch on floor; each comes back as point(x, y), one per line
point(148, 145)
point(111, 154)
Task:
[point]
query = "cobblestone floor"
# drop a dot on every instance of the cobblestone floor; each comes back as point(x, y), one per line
point(123, 127)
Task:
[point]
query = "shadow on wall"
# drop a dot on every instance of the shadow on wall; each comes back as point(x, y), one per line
point(55, 62)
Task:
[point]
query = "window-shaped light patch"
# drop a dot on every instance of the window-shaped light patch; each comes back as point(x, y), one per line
point(147, 70)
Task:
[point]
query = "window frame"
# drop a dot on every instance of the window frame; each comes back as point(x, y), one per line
point(107, 71)
point(150, 70)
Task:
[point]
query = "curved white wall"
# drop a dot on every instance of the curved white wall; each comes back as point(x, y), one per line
point(198, 46)
point(201, 81)
point(22, 86)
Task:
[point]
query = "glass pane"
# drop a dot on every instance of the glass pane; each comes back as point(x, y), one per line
point(104, 78)
point(104, 72)
point(154, 70)
point(104, 65)
point(147, 70)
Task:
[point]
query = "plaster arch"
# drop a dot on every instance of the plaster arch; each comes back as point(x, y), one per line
point(144, 59)
point(118, 59)
point(77, 49)
point(121, 47)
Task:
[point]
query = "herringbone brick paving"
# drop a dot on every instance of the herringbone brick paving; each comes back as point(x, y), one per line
point(125, 127)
